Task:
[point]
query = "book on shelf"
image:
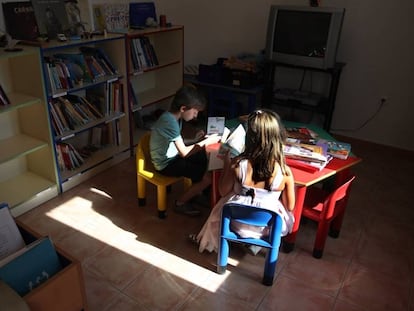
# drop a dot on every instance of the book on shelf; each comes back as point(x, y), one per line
point(72, 111)
point(115, 15)
point(134, 101)
point(138, 50)
point(98, 17)
point(95, 136)
point(143, 53)
point(51, 17)
point(77, 66)
point(4, 99)
point(20, 20)
point(337, 149)
point(115, 97)
point(97, 97)
point(69, 158)
point(74, 118)
point(149, 51)
point(102, 57)
point(31, 266)
point(139, 12)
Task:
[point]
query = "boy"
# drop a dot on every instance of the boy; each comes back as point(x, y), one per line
point(172, 157)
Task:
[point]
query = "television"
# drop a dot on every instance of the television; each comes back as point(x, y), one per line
point(304, 36)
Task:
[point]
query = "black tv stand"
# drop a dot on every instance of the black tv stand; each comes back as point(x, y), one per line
point(298, 99)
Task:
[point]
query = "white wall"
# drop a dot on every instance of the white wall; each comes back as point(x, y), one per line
point(377, 45)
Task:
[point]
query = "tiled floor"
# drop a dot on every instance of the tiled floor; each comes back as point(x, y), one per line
point(134, 261)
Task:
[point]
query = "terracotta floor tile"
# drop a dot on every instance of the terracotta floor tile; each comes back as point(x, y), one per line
point(124, 303)
point(99, 293)
point(324, 275)
point(132, 260)
point(115, 266)
point(204, 300)
point(157, 289)
point(288, 294)
point(374, 290)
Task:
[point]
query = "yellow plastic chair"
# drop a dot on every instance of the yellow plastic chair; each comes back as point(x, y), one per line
point(146, 172)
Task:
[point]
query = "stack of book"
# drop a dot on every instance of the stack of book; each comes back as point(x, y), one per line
point(306, 151)
point(305, 156)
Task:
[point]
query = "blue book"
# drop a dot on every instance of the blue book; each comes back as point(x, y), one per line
point(31, 266)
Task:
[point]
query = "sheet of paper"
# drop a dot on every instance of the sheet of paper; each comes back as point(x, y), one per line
point(214, 162)
point(10, 237)
point(215, 125)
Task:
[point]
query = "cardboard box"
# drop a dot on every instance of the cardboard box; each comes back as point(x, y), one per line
point(64, 291)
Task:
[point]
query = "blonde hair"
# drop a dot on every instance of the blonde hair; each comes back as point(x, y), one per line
point(265, 136)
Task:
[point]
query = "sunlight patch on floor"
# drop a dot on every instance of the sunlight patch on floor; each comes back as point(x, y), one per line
point(100, 192)
point(78, 213)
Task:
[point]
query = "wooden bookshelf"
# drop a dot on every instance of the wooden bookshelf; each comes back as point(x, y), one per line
point(154, 85)
point(98, 88)
point(27, 166)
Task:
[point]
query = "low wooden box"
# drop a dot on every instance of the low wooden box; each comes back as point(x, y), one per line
point(65, 291)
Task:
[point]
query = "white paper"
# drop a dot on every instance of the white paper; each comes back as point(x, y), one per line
point(11, 239)
point(215, 125)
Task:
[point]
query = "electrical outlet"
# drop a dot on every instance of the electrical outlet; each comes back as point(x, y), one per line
point(384, 100)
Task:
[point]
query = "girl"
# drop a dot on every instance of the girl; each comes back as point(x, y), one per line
point(257, 177)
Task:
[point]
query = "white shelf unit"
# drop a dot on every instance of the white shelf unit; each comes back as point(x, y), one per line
point(155, 85)
point(114, 123)
point(27, 167)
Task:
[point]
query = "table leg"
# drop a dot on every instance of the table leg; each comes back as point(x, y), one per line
point(215, 196)
point(290, 239)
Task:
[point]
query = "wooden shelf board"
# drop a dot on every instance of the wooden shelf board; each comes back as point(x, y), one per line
point(95, 159)
point(23, 187)
point(19, 145)
point(19, 100)
point(76, 179)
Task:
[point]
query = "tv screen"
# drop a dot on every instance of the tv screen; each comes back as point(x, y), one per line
point(304, 36)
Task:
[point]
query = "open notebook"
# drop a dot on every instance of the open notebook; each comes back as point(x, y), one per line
point(230, 140)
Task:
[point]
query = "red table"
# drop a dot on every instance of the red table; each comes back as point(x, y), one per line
point(338, 168)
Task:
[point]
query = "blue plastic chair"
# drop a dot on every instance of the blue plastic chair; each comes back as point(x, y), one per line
point(251, 216)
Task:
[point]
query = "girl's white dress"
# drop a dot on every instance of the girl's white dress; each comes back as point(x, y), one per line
point(208, 237)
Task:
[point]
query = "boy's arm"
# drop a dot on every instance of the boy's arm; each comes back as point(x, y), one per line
point(197, 138)
point(185, 150)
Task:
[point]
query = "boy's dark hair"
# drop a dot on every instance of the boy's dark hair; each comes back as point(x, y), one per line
point(189, 97)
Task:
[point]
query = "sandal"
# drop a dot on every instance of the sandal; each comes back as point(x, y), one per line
point(192, 237)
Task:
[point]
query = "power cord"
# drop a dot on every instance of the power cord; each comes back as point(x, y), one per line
point(382, 103)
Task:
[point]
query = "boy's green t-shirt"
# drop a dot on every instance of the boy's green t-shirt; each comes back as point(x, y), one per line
point(165, 131)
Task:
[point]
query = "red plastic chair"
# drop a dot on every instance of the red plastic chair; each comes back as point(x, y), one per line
point(327, 209)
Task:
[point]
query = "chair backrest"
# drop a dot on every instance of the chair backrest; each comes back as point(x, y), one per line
point(251, 215)
point(338, 198)
point(144, 162)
